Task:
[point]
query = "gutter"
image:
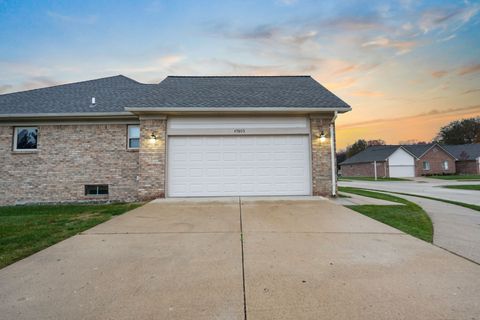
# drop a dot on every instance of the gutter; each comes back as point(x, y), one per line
point(332, 153)
point(72, 115)
point(236, 109)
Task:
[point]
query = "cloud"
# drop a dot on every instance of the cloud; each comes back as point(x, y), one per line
point(469, 69)
point(383, 42)
point(471, 91)
point(5, 88)
point(342, 84)
point(286, 2)
point(355, 23)
point(89, 19)
point(439, 73)
point(159, 65)
point(447, 17)
point(37, 82)
point(448, 38)
point(367, 93)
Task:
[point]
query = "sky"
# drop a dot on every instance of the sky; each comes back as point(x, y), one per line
point(406, 67)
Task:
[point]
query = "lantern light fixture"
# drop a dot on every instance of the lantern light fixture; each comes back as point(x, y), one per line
point(322, 137)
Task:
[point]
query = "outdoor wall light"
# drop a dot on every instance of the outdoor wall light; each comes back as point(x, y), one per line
point(322, 137)
point(153, 138)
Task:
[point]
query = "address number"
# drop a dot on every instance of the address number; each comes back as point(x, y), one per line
point(239, 130)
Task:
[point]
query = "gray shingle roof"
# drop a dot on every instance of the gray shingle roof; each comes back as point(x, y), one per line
point(113, 94)
point(418, 149)
point(464, 151)
point(373, 153)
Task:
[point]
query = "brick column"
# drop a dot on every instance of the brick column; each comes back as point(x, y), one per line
point(152, 158)
point(321, 155)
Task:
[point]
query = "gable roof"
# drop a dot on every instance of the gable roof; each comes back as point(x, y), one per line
point(119, 94)
point(373, 153)
point(464, 151)
point(418, 149)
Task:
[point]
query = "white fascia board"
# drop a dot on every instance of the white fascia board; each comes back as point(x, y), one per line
point(236, 110)
point(73, 115)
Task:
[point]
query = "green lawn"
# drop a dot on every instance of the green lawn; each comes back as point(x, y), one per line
point(371, 179)
point(25, 230)
point(409, 217)
point(458, 177)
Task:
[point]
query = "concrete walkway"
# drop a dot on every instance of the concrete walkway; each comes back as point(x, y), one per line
point(456, 228)
point(237, 259)
point(355, 200)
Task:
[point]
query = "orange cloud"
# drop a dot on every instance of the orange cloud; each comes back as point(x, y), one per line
point(469, 69)
point(366, 93)
point(439, 73)
point(421, 127)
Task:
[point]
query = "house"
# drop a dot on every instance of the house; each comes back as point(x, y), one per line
point(398, 161)
point(115, 139)
point(468, 157)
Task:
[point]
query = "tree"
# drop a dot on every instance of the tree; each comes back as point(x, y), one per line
point(460, 132)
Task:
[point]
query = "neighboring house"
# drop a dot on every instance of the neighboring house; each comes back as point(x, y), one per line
point(400, 161)
point(468, 157)
point(431, 159)
point(120, 140)
point(380, 161)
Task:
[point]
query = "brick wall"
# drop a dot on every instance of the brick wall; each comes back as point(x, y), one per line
point(68, 157)
point(365, 169)
point(467, 167)
point(152, 158)
point(435, 156)
point(321, 156)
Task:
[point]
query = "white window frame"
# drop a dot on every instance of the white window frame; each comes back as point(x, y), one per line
point(15, 139)
point(128, 136)
point(445, 165)
point(426, 165)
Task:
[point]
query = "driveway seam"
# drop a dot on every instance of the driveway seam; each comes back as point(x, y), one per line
point(167, 232)
point(243, 260)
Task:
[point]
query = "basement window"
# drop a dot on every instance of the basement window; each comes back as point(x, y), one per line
point(25, 139)
point(426, 165)
point(133, 137)
point(96, 189)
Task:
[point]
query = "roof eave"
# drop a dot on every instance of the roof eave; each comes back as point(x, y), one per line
point(66, 116)
point(235, 110)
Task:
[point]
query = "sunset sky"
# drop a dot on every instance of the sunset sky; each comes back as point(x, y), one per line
point(405, 67)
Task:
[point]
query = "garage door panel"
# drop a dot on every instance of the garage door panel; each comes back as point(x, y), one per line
point(246, 165)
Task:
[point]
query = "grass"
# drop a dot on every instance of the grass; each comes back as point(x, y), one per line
point(371, 179)
point(465, 187)
point(458, 177)
point(408, 217)
point(25, 230)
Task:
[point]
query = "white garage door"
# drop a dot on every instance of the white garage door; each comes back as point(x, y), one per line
point(238, 165)
point(402, 171)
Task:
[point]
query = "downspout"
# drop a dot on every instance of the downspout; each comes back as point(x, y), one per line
point(332, 152)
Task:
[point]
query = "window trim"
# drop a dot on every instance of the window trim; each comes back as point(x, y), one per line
point(426, 165)
point(97, 194)
point(15, 139)
point(128, 137)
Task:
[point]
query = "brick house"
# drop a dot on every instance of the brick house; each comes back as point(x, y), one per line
point(115, 139)
point(468, 157)
point(400, 161)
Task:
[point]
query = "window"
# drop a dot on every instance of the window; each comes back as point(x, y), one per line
point(133, 137)
point(96, 189)
point(25, 138)
point(426, 165)
point(445, 165)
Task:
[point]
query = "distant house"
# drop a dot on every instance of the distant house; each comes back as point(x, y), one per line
point(400, 161)
point(468, 157)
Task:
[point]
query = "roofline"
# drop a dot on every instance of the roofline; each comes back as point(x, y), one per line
point(440, 146)
point(72, 115)
point(406, 150)
point(236, 109)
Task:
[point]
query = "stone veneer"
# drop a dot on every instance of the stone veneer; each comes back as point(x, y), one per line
point(68, 157)
point(321, 156)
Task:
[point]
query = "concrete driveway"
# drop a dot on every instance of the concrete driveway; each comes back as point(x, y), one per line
point(422, 186)
point(296, 259)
